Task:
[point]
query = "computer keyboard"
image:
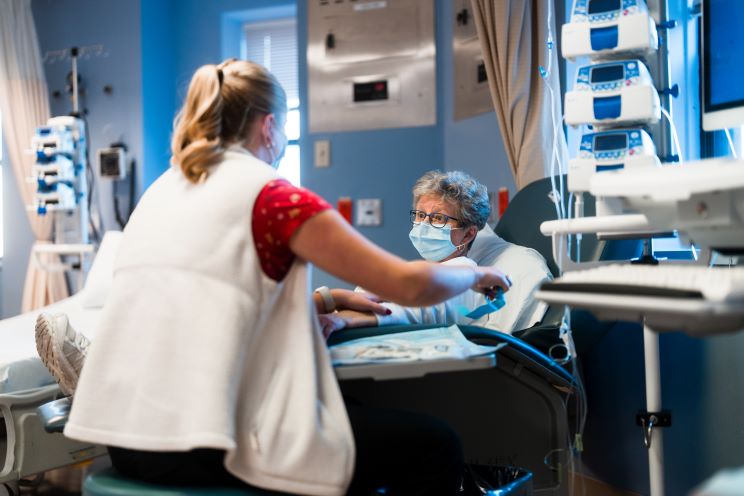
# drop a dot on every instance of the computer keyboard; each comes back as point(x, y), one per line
point(716, 284)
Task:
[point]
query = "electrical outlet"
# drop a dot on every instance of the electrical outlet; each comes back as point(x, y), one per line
point(322, 153)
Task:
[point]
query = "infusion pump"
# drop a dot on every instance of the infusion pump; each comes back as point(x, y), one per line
point(59, 171)
point(602, 28)
point(611, 94)
point(610, 150)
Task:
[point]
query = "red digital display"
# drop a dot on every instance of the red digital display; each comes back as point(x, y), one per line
point(371, 91)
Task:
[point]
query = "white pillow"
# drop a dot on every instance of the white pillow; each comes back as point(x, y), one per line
point(101, 273)
point(527, 270)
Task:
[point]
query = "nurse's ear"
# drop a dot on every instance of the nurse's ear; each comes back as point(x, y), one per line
point(258, 138)
point(266, 125)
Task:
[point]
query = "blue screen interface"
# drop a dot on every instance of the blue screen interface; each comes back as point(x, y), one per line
point(724, 51)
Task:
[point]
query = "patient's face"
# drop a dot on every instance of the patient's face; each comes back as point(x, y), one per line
point(435, 204)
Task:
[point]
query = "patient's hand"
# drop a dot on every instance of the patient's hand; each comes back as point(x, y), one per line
point(330, 323)
point(335, 321)
point(362, 302)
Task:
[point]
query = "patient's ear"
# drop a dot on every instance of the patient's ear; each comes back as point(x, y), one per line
point(470, 234)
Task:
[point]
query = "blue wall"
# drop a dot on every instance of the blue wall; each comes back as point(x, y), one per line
point(385, 163)
point(200, 37)
point(117, 117)
point(179, 36)
point(159, 49)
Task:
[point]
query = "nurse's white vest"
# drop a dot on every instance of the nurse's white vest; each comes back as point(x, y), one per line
point(199, 349)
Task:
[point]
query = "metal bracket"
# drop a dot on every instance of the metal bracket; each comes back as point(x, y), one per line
point(54, 414)
point(670, 24)
point(673, 91)
point(669, 158)
point(650, 420)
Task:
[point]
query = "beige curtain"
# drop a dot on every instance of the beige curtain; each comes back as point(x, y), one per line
point(514, 36)
point(24, 104)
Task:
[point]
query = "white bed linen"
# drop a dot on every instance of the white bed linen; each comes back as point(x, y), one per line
point(20, 365)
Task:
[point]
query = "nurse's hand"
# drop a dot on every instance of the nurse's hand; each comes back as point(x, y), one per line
point(361, 302)
point(490, 280)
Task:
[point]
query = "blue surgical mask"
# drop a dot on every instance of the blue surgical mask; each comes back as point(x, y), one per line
point(432, 243)
point(278, 146)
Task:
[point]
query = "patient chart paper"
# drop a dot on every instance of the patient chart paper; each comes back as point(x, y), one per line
point(428, 344)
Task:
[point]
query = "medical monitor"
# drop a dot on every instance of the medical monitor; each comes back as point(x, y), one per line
point(723, 64)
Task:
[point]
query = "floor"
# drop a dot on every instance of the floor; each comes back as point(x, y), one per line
point(65, 481)
point(586, 486)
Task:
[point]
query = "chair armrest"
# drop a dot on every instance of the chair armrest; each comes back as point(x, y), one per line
point(517, 348)
point(54, 414)
point(368, 332)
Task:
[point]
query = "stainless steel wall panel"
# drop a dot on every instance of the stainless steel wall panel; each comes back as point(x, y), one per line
point(371, 64)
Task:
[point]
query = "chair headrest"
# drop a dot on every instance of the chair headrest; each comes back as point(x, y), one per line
point(487, 247)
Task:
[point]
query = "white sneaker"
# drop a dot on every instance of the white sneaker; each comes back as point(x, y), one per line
point(61, 348)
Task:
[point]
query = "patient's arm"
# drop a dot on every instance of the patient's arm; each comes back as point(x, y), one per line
point(352, 318)
point(332, 322)
point(347, 299)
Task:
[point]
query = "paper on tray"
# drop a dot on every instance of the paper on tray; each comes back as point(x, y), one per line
point(428, 344)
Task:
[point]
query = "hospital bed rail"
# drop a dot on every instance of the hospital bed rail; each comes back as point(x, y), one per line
point(26, 447)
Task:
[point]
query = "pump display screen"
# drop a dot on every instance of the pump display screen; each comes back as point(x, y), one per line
point(610, 142)
point(608, 73)
point(371, 92)
point(599, 6)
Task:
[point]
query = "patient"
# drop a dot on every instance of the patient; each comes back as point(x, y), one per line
point(449, 216)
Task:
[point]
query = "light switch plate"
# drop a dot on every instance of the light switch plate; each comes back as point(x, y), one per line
point(369, 212)
point(322, 153)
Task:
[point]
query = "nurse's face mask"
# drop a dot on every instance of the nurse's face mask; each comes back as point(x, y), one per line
point(277, 144)
point(432, 239)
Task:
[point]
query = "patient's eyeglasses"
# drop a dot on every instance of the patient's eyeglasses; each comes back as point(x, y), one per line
point(436, 219)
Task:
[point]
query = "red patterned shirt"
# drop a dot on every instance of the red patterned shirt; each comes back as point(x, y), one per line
point(280, 209)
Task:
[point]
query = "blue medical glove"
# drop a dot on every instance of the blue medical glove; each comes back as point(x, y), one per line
point(491, 305)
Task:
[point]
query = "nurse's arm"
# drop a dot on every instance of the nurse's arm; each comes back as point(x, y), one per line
point(329, 242)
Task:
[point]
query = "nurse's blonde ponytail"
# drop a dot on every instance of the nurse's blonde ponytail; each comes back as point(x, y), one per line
point(222, 103)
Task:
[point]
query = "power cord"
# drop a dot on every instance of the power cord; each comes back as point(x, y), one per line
point(115, 193)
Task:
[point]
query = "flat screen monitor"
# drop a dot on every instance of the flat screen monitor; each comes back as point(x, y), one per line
point(723, 64)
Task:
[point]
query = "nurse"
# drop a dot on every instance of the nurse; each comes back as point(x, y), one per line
point(209, 366)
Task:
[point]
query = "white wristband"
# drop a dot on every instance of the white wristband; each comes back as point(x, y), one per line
point(328, 302)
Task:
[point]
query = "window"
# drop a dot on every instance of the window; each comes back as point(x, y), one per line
point(273, 44)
